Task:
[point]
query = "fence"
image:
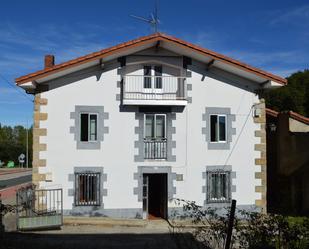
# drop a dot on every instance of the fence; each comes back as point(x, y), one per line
point(37, 209)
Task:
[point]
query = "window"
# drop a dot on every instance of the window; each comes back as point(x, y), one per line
point(155, 143)
point(88, 127)
point(158, 77)
point(153, 72)
point(217, 128)
point(147, 76)
point(155, 126)
point(87, 189)
point(218, 186)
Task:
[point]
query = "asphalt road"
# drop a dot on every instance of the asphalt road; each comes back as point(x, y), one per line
point(5, 183)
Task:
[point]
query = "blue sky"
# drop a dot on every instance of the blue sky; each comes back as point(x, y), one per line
point(272, 35)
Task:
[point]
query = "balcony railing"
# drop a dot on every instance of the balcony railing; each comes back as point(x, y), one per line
point(161, 88)
point(155, 148)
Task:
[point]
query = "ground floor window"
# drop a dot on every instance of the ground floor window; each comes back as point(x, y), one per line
point(218, 186)
point(87, 189)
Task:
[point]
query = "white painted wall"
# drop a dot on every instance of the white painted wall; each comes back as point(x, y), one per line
point(117, 150)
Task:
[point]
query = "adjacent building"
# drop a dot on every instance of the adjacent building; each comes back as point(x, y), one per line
point(287, 162)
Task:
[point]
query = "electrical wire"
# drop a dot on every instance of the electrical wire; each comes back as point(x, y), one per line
point(14, 87)
point(241, 131)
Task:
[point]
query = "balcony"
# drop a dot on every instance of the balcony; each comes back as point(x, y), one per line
point(155, 148)
point(154, 90)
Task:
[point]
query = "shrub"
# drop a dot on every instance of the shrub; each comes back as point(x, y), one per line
point(251, 230)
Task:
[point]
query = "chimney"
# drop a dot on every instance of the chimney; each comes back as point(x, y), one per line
point(49, 61)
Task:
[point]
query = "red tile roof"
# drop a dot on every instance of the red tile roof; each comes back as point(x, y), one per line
point(299, 117)
point(140, 41)
point(271, 112)
point(291, 114)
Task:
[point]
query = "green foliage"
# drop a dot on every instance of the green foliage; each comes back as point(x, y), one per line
point(13, 142)
point(276, 231)
point(252, 230)
point(292, 97)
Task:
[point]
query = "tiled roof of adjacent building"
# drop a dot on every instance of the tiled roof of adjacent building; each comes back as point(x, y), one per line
point(291, 114)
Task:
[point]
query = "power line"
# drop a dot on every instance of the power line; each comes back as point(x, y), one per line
point(13, 86)
point(241, 131)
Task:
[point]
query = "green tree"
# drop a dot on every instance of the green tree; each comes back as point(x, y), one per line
point(292, 97)
point(13, 142)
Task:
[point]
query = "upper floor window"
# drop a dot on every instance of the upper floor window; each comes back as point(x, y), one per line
point(155, 126)
point(155, 144)
point(217, 128)
point(153, 77)
point(218, 186)
point(88, 127)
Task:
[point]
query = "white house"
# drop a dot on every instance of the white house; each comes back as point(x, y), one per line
point(125, 130)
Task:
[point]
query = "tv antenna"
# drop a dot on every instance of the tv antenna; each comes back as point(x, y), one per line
point(152, 20)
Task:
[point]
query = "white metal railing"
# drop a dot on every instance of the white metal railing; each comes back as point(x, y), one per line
point(140, 87)
point(155, 148)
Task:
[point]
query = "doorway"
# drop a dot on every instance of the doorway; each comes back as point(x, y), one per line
point(155, 196)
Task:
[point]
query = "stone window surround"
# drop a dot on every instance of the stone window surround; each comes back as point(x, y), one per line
point(170, 130)
point(103, 192)
point(230, 131)
point(101, 129)
point(232, 187)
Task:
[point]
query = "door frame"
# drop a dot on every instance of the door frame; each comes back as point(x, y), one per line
point(145, 195)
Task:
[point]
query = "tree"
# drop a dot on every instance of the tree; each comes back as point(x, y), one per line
point(292, 97)
point(13, 142)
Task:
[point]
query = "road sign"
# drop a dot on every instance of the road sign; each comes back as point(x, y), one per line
point(21, 158)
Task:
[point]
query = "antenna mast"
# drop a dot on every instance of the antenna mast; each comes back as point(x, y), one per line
point(152, 20)
point(156, 17)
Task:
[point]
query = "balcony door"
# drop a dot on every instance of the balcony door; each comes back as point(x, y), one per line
point(153, 87)
point(155, 136)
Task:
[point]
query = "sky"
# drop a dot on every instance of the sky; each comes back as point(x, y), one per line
point(272, 35)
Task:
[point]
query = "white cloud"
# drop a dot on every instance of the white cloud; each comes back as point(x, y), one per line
point(264, 58)
point(22, 48)
point(299, 15)
point(279, 62)
point(284, 72)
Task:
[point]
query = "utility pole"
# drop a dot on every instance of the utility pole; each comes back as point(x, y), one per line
point(230, 226)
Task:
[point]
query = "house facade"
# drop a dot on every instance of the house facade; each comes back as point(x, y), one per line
point(126, 130)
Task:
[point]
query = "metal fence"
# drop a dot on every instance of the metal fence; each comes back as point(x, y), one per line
point(155, 149)
point(140, 87)
point(38, 209)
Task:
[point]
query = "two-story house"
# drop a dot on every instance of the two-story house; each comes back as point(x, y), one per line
point(125, 130)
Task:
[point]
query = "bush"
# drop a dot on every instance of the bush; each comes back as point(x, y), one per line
point(251, 230)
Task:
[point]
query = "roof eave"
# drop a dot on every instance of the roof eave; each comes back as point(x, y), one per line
point(149, 39)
